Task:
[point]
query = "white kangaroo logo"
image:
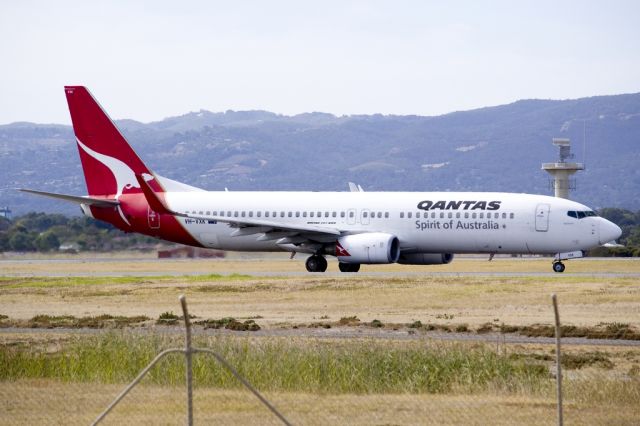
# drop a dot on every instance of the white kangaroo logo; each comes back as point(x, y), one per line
point(125, 177)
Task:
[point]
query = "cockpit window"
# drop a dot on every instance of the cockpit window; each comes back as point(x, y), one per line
point(581, 214)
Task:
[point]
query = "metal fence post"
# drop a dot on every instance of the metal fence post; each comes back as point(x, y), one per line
point(558, 358)
point(188, 352)
point(188, 359)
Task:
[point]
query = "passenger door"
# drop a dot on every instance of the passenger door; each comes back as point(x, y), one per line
point(542, 217)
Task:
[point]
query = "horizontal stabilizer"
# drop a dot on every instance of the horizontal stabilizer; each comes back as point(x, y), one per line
point(89, 201)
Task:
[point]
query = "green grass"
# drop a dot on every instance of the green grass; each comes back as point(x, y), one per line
point(362, 366)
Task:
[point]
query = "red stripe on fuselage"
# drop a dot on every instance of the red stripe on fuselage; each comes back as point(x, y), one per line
point(135, 210)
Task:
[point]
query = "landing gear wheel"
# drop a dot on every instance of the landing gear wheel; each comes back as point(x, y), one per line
point(558, 267)
point(348, 267)
point(316, 264)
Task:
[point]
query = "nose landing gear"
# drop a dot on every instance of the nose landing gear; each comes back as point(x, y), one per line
point(558, 267)
point(316, 263)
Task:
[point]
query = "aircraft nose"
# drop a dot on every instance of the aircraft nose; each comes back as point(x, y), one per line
point(609, 231)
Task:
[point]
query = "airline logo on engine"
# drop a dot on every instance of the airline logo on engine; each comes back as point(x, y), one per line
point(459, 205)
point(341, 251)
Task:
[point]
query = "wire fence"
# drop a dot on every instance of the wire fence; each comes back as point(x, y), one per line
point(230, 380)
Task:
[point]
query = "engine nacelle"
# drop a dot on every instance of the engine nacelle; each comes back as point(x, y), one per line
point(370, 247)
point(426, 258)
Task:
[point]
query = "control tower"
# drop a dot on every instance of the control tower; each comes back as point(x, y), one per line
point(562, 170)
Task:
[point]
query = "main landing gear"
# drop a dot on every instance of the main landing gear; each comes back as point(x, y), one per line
point(349, 267)
point(316, 263)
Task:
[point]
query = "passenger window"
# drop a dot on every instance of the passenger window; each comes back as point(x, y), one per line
point(450, 215)
point(266, 214)
point(304, 214)
point(379, 215)
point(290, 214)
point(364, 214)
point(334, 214)
point(473, 215)
point(228, 214)
point(259, 214)
point(386, 215)
point(466, 215)
point(243, 214)
point(441, 215)
point(401, 215)
point(481, 215)
point(433, 215)
point(250, 214)
point(326, 214)
point(458, 215)
point(342, 214)
point(351, 214)
point(208, 213)
point(504, 215)
point(511, 215)
point(297, 214)
point(200, 212)
point(409, 215)
point(235, 214)
point(215, 214)
point(281, 214)
point(319, 214)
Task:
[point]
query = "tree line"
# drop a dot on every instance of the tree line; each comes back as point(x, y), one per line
point(48, 232)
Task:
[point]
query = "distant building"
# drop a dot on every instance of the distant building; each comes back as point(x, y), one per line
point(5, 212)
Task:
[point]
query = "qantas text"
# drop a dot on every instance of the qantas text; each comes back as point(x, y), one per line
point(457, 205)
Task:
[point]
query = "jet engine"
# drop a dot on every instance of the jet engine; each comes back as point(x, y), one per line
point(426, 258)
point(370, 247)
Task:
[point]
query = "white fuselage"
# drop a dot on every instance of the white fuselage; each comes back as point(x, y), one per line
point(521, 223)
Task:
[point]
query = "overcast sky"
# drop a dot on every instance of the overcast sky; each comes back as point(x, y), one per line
point(147, 60)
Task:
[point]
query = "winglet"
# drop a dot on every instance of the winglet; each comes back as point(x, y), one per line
point(152, 198)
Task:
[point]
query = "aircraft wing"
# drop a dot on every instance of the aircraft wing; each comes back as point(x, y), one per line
point(269, 229)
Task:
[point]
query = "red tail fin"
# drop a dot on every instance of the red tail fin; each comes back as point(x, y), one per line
point(110, 165)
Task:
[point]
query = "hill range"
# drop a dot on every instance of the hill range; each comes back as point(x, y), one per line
point(489, 149)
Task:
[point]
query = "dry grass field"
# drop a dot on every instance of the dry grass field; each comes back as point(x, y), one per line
point(277, 295)
point(80, 404)
point(587, 298)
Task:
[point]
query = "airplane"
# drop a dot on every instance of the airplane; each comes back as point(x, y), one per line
point(356, 227)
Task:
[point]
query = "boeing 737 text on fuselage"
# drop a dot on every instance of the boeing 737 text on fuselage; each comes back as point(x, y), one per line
point(357, 227)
